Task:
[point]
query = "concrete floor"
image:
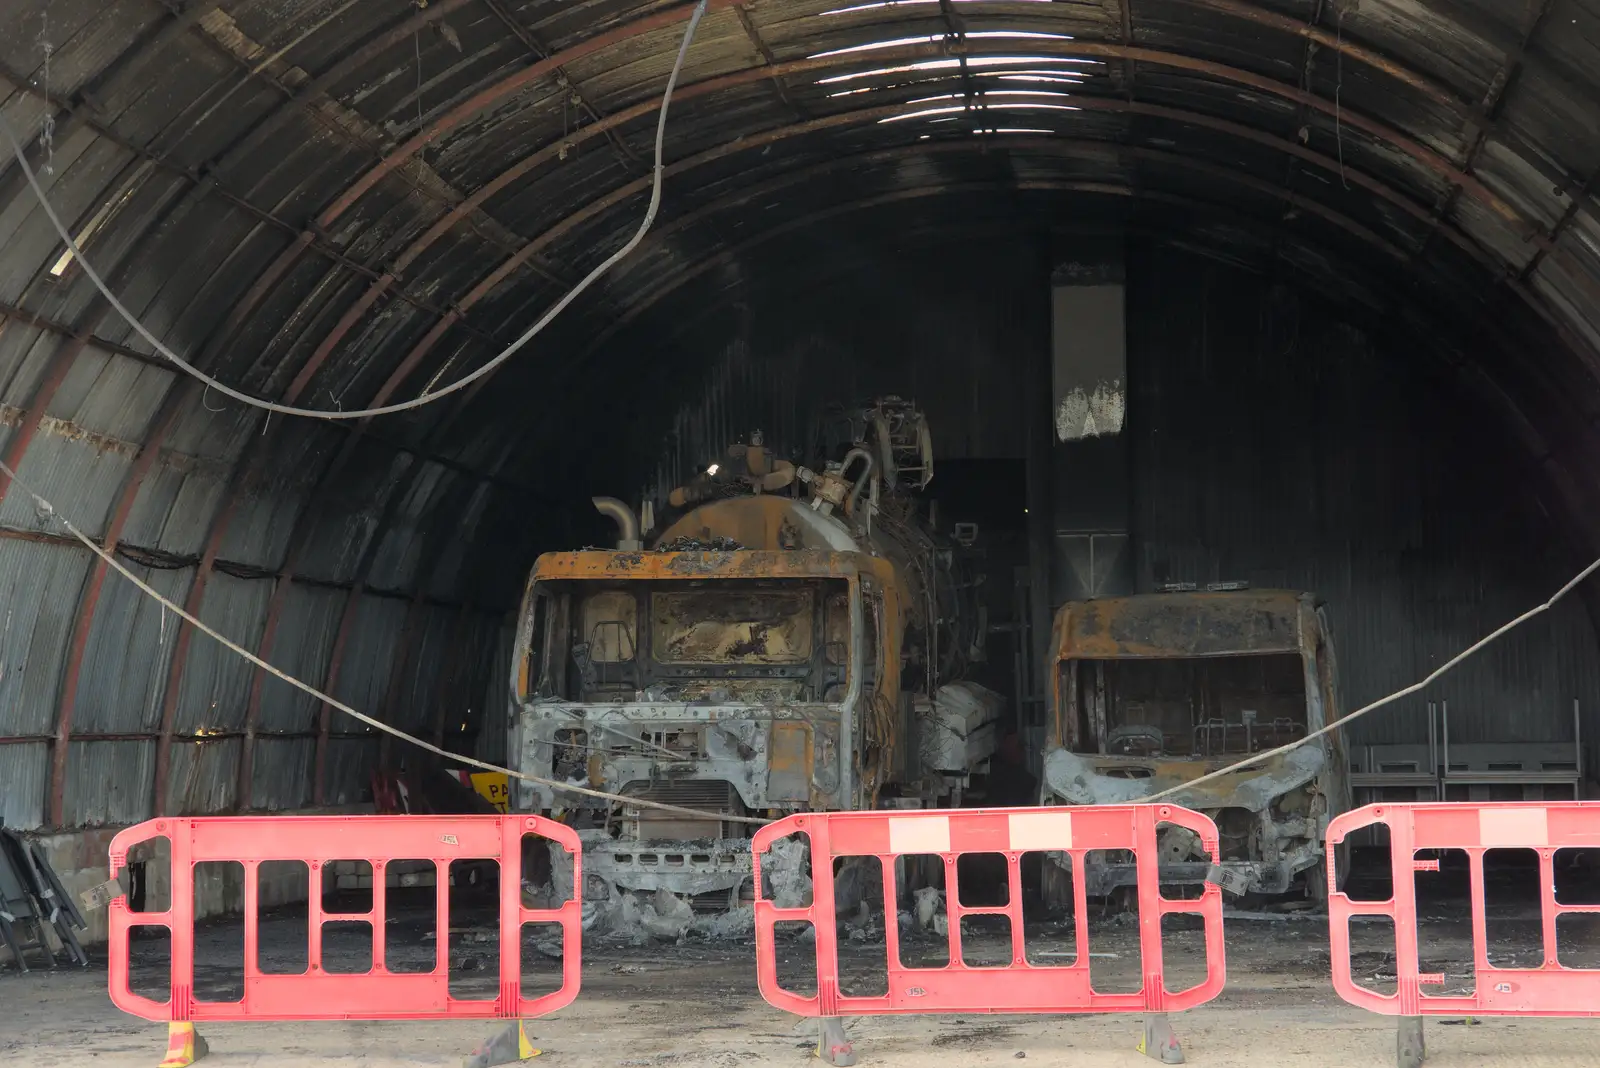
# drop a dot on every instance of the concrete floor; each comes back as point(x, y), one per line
point(695, 1004)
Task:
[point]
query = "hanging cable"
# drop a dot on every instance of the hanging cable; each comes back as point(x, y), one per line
point(427, 397)
point(1504, 629)
point(48, 510)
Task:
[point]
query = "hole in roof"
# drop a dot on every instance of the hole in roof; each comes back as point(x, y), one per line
point(987, 93)
point(1031, 105)
point(901, 42)
point(1043, 76)
point(951, 64)
point(881, 4)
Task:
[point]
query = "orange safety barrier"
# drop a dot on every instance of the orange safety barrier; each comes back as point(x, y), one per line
point(1473, 827)
point(315, 994)
point(1018, 986)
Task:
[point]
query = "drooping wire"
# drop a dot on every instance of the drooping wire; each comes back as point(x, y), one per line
point(48, 510)
point(425, 398)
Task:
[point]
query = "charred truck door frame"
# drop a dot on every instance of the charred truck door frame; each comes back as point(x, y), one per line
point(1283, 840)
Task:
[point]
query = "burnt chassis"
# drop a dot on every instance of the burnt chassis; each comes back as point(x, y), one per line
point(1248, 805)
point(1279, 807)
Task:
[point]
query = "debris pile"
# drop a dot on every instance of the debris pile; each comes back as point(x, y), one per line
point(35, 905)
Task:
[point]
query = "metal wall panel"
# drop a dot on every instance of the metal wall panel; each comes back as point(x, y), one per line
point(281, 778)
point(1275, 445)
point(204, 777)
point(302, 647)
point(25, 771)
point(215, 687)
point(495, 720)
point(80, 477)
point(369, 658)
point(350, 765)
point(125, 662)
point(39, 584)
point(109, 783)
point(434, 642)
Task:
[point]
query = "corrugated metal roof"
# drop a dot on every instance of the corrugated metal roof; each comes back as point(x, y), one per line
point(213, 174)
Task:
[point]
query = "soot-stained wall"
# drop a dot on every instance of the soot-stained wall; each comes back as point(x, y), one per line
point(1276, 444)
point(1272, 442)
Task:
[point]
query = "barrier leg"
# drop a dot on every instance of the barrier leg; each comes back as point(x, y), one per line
point(509, 1045)
point(833, 1047)
point(184, 1046)
point(1159, 1043)
point(1410, 1049)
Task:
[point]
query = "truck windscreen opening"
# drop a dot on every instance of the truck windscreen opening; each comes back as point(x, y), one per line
point(666, 640)
point(1197, 706)
point(713, 626)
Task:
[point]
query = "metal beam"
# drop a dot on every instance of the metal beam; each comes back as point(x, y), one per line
point(1577, 201)
point(1487, 113)
point(1337, 42)
point(299, 537)
point(204, 183)
point(1307, 70)
point(484, 98)
point(779, 84)
point(539, 51)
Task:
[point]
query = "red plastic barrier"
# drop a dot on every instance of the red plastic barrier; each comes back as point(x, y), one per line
point(1548, 990)
point(1017, 986)
point(318, 840)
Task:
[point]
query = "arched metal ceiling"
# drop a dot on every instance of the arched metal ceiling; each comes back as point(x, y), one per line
point(338, 203)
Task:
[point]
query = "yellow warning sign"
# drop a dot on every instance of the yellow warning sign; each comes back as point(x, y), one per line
point(495, 787)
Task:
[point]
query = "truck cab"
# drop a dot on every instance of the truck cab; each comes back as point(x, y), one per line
point(1152, 691)
point(730, 682)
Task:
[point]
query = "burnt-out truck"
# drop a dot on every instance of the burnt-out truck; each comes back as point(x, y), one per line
point(1153, 691)
point(792, 640)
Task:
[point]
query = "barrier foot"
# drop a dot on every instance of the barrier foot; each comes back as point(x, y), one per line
point(832, 1045)
point(184, 1046)
point(1159, 1043)
point(1410, 1050)
point(509, 1045)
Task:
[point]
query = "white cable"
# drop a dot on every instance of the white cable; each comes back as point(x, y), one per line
point(425, 398)
point(1256, 758)
point(47, 509)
